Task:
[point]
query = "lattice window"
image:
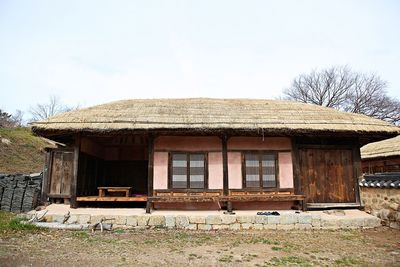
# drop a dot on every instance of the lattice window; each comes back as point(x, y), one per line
point(188, 170)
point(260, 169)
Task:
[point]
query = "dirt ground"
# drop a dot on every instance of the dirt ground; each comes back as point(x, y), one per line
point(182, 248)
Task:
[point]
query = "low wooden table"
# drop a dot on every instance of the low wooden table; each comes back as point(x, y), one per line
point(103, 189)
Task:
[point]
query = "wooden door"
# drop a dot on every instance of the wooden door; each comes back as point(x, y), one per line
point(61, 173)
point(326, 175)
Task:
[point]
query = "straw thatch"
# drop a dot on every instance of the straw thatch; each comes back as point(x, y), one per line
point(212, 114)
point(386, 148)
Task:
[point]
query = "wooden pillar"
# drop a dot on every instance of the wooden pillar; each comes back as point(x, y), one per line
point(150, 171)
point(296, 167)
point(46, 176)
point(74, 180)
point(225, 164)
point(224, 139)
point(357, 172)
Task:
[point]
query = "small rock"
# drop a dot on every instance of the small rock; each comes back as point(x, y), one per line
point(131, 220)
point(143, 220)
point(204, 227)
point(394, 206)
point(197, 219)
point(213, 219)
point(181, 221)
point(170, 221)
point(156, 220)
point(228, 219)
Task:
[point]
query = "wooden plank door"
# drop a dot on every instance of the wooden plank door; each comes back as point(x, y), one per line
point(326, 175)
point(61, 173)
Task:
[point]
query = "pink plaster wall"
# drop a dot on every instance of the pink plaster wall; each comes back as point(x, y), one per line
point(188, 143)
point(215, 171)
point(257, 143)
point(285, 170)
point(160, 170)
point(235, 170)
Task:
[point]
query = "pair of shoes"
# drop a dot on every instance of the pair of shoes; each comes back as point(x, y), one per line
point(268, 213)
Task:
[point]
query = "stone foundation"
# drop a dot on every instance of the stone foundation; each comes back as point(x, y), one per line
point(383, 203)
point(285, 221)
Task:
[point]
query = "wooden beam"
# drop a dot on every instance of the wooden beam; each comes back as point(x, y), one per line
point(113, 199)
point(357, 169)
point(332, 205)
point(150, 171)
point(73, 202)
point(296, 167)
point(46, 177)
point(150, 167)
point(272, 197)
point(225, 176)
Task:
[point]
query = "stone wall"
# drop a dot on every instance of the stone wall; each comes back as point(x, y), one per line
point(383, 203)
point(284, 221)
point(20, 193)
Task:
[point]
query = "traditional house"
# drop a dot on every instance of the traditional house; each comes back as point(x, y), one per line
point(208, 153)
point(383, 156)
point(380, 184)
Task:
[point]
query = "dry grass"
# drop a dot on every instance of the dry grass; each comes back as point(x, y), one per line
point(386, 148)
point(211, 114)
point(23, 153)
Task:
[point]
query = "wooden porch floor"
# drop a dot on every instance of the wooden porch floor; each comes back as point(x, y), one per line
point(113, 198)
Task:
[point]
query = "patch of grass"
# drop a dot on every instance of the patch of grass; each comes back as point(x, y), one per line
point(119, 231)
point(193, 256)
point(346, 261)
point(226, 258)
point(181, 236)
point(260, 240)
point(150, 241)
point(80, 235)
point(24, 152)
point(10, 223)
point(350, 235)
point(249, 257)
point(290, 260)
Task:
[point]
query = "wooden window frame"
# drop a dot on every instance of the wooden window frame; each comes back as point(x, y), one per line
point(187, 189)
point(261, 187)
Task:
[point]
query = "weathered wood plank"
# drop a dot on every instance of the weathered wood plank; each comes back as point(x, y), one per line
point(326, 175)
point(150, 174)
point(73, 202)
point(113, 199)
point(225, 176)
point(46, 177)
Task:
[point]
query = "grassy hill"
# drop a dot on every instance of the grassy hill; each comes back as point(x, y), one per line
point(21, 151)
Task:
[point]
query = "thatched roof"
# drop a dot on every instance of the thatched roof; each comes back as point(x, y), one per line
point(386, 148)
point(212, 114)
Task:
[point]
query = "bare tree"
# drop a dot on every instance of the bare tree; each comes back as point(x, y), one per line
point(18, 118)
point(46, 110)
point(6, 120)
point(343, 89)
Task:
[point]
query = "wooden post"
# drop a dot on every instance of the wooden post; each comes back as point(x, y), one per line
point(46, 176)
point(150, 171)
point(74, 180)
point(224, 139)
point(296, 167)
point(225, 164)
point(357, 172)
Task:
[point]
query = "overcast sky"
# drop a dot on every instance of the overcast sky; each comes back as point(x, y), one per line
point(91, 52)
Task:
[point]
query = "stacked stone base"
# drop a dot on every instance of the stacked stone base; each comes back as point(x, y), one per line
point(290, 221)
point(383, 203)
